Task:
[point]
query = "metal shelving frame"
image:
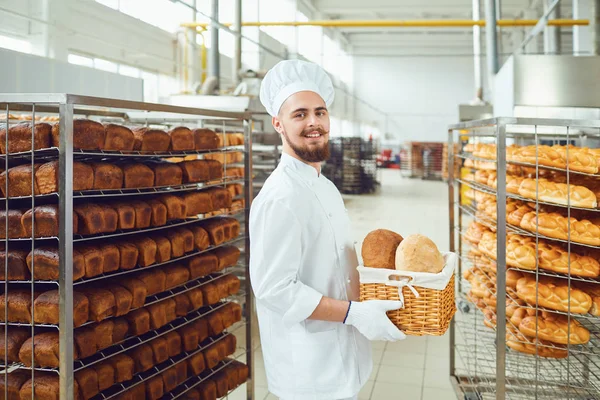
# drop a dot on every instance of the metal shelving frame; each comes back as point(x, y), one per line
point(480, 368)
point(130, 113)
point(352, 165)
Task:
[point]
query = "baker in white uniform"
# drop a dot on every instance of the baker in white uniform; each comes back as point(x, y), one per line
point(314, 335)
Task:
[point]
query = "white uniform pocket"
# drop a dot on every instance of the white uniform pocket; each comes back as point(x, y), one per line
point(317, 361)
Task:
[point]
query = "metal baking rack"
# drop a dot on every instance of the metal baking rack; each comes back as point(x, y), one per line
point(477, 362)
point(66, 107)
point(592, 348)
point(481, 366)
point(188, 187)
point(51, 153)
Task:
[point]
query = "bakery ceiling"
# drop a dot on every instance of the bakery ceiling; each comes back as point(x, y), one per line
point(386, 39)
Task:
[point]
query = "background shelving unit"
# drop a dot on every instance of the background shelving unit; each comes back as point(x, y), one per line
point(352, 165)
point(65, 108)
point(482, 365)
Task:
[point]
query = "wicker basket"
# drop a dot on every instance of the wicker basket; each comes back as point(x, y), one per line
point(428, 314)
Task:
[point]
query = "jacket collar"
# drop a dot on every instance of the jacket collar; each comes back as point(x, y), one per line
point(306, 171)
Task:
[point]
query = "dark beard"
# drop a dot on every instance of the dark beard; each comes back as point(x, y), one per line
point(311, 155)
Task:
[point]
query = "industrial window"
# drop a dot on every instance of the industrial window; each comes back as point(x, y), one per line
point(129, 71)
point(106, 65)
point(20, 45)
point(164, 14)
point(81, 60)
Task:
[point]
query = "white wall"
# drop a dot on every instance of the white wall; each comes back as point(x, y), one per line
point(24, 73)
point(85, 26)
point(421, 94)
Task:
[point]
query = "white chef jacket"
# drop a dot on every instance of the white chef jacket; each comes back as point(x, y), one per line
point(301, 250)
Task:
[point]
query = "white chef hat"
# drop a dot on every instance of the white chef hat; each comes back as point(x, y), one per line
point(293, 76)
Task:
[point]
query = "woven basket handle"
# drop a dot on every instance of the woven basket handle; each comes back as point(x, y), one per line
point(401, 281)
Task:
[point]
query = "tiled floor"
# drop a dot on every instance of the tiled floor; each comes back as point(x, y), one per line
point(416, 368)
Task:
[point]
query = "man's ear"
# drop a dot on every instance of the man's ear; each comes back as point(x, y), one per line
point(277, 125)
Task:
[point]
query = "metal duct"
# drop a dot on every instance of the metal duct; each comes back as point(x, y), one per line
point(237, 44)
point(491, 38)
point(478, 67)
point(551, 33)
point(214, 57)
point(595, 27)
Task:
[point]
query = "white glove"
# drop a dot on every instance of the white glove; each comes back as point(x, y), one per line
point(370, 318)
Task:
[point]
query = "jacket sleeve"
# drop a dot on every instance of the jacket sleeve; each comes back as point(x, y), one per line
point(275, 256)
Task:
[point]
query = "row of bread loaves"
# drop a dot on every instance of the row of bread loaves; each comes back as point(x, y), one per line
point(101, 335)
point(91, 260)
point(92, 135)
point(122, 367)
point(116, 297)
point(107, 176)
point(108, 217)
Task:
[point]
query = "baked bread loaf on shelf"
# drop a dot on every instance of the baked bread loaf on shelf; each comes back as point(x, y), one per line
point(118, 138)
point(16, 264)
point(167, 174)
point(555, 328)
point(87, 135)
point(553, 293)
point(47, 308)
point(16, 336)
point(46, 387)
point(87, 380)
point(205, 139)
point(578, 158)
point(557, 226)
point(542, 155)
point(519, 342)
point(107, 176)
point(19, 137)
point(558, 193)
point(45, 351)
point(592, 290)
point(19, 181)
point(182, 139)
point(151, 140)
point(14, 382)
point(19, 305)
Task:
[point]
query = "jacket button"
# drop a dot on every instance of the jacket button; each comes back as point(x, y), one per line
point(330, 215)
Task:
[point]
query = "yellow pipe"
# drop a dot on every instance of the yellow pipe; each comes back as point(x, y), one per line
point(185, 63)
point(203, 55)
point(382, 23)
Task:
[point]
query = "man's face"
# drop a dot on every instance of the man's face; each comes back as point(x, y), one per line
point(303, 120)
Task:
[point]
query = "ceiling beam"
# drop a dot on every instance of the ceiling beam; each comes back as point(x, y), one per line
point(410, 45)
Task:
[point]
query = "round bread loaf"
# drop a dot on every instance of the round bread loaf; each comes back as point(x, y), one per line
point(379, 248)
point(418, 253)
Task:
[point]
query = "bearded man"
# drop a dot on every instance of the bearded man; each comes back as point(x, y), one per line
point(314, 334)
